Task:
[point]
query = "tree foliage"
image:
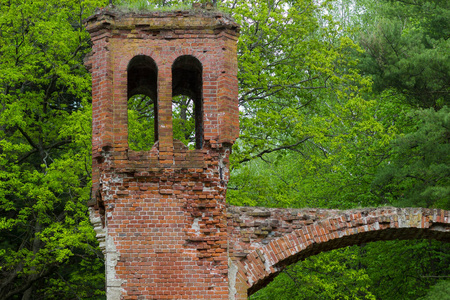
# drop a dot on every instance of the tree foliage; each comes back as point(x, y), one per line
point(315, 278)
point(304, 113)
point(48, 247)
point(407, 48)
point(381, 270)
point(419, 172)
point(385, 152)
point(141, 123)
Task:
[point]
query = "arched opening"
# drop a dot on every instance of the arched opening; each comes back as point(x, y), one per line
point(187, 101)
point(142, 104)
point(376, 270)
point(295, 235)
point(353, 235)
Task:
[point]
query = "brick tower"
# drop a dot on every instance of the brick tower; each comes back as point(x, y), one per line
point(160, 214)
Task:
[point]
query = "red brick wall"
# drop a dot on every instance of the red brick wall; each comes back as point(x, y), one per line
point(163, 211)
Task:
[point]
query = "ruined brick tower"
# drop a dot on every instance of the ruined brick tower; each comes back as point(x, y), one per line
point(160, 214)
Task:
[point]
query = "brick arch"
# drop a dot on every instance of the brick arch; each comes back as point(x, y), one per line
point(265, 241)
point(200, 56)
point(119, 88)
point(187, 79)
point(142, 77)
point(124, 59)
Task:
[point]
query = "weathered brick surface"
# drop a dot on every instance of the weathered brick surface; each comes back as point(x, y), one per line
point(160, 215)
point(265, 240)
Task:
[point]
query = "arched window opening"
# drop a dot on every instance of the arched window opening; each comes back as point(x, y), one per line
point(142, 76)
point(187, 101)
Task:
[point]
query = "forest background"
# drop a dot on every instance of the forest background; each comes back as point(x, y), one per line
point(344, 103)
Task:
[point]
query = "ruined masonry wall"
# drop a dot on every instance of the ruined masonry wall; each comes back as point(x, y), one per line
point(160, 215)
point(166, 231)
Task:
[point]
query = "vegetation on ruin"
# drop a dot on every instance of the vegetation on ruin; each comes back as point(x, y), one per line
point(144, 6)
point(343, 104)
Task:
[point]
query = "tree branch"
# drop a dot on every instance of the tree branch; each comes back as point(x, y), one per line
point(267, 151)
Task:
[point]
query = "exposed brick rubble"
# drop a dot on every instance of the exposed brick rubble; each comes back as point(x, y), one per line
point(265, 240)
point(250, 228)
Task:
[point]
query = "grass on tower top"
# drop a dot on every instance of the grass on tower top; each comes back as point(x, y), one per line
point(146, 6)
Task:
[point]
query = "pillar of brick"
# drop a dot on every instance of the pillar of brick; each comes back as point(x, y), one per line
point(160, 215)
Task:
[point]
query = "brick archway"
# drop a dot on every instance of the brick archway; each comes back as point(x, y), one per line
point(264, 241)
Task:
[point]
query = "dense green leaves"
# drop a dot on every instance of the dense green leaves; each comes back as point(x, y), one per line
point(407, 48)
point(329, 141)
point(330, 275)
point(45, 153)
point(439, 291)
point(141, 123)
point(419, 172)
point(405, 269)
point(381, 270)
point(305, 112)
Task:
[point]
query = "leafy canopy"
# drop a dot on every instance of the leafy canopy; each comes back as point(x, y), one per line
point(48, 247)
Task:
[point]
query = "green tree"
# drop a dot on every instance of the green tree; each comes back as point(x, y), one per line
point(407, 49)
point(419, 170)
point(304, 110)
point(407, 54)
point(404, 269)
point(340, 173)
point(141, 123)
point(440, 291)
point(329, 275)
point(47, 245)
point(380, 270)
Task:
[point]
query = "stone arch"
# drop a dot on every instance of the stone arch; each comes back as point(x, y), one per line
point(142, 79)
point(259, 260)
point(187, 80)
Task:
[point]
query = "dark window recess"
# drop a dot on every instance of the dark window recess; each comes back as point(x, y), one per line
point(142, 76)
point(187, 101)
